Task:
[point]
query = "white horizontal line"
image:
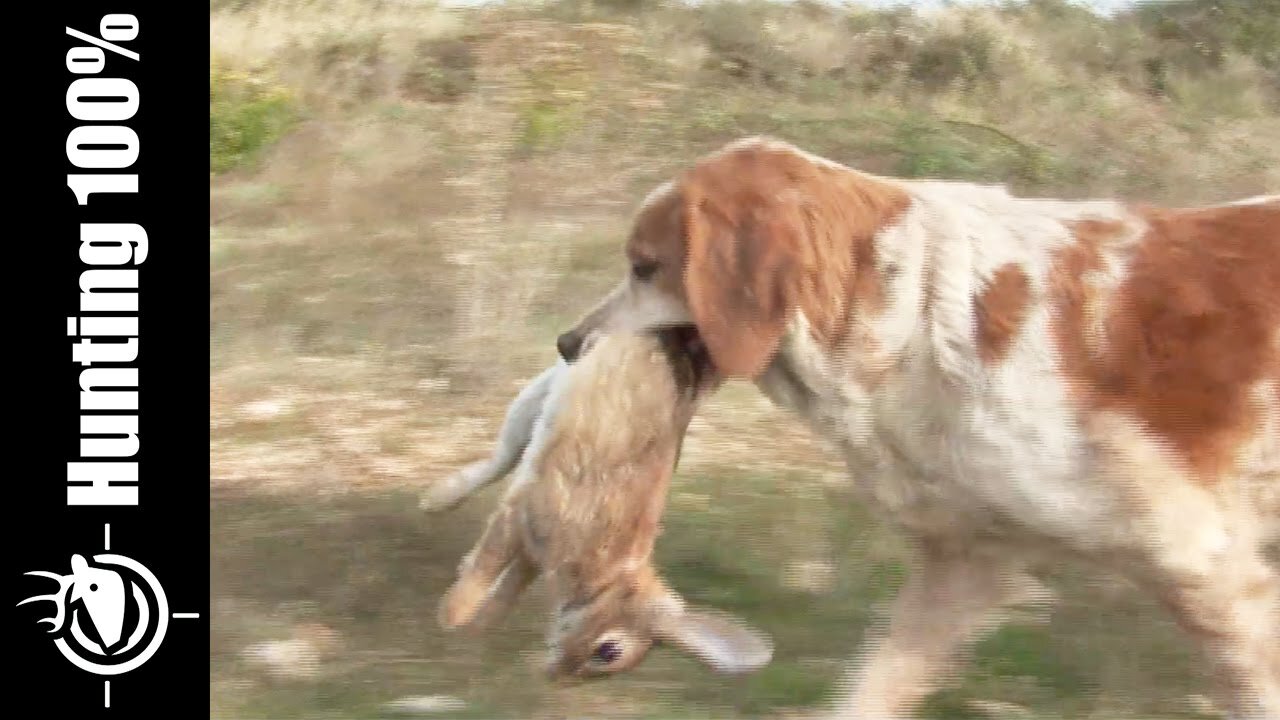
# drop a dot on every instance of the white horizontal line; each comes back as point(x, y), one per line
point(184, 616)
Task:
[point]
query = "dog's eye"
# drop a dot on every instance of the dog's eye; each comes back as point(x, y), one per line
point(644, 270)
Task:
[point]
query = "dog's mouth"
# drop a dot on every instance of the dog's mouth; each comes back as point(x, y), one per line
point(683, 340)
point(689, 339)
point(689, 342)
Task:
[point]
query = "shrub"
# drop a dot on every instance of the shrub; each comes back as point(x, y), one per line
point(246, 114)
point(1197, 34)
point(740, 46)
point(442, 71)
point(965, 56)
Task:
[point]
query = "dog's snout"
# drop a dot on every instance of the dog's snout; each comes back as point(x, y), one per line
point(569, 344)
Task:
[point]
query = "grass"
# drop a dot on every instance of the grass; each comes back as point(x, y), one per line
point(409, 201)
point(370, 566)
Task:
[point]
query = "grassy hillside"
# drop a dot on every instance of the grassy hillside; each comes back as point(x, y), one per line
point(408, 202)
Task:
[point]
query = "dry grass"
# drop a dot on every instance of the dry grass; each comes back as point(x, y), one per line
point(451, 189)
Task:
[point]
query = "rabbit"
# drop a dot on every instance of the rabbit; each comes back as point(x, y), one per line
point(594, 445)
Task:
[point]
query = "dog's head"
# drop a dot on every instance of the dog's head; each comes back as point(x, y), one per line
point(739, 243)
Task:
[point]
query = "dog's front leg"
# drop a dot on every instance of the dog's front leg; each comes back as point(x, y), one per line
point(948, 598)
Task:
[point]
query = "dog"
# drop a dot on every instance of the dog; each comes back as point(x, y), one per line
point(1012, 380)
point(594, 446)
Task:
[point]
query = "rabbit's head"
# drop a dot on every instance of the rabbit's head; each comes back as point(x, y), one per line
point(613, 629)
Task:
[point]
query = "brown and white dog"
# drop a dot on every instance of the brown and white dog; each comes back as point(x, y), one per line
point(1010, 379)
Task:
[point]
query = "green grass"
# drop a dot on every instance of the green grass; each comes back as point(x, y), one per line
point(246, 114)
point(372, 567)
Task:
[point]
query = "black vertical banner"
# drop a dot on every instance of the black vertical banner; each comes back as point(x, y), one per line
point(107, 559)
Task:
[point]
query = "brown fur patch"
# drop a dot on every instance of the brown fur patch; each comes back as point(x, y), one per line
point(1000, 311)
point(769, 231)
point(1187, 333)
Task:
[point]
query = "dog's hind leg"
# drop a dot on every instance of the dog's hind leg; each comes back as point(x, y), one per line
point(513, 438)
point(1232, 609)
point(1205, 564)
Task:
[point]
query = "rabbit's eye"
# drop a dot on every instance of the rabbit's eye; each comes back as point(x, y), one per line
point(608, 652)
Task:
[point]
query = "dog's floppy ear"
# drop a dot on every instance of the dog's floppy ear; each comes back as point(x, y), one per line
point(741, 259)
point(769, 231)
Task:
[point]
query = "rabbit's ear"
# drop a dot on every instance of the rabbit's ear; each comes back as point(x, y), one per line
point(720, 640)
